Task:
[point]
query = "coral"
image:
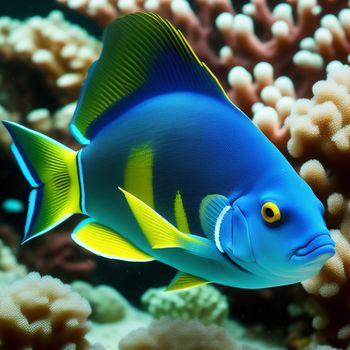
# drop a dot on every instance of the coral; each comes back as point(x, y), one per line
point(109, 334)
point(317, 143)
point(179, 334)
point(10, 269)
point(42, 313)
point(55, 50)
point(205, 303)
point(297, 38)
point(106, 303)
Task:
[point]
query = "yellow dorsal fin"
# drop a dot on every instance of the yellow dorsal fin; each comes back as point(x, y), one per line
point(138, 176)
point(185, 281)
point(159, 232)
point(103, 241)
point(180, 214)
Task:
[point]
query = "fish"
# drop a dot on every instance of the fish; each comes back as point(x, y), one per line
point(170, 169)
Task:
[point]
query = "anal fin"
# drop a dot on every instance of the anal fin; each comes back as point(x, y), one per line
point(105, 242)
point(185, 281)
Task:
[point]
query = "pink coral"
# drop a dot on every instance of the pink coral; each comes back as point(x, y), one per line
point(56, 254)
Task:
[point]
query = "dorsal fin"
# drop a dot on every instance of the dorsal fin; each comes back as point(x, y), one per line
point(143, 55)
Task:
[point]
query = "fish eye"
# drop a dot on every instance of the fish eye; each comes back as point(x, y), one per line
point(270, 212)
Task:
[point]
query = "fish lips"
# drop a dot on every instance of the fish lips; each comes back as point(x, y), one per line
point(319, 249)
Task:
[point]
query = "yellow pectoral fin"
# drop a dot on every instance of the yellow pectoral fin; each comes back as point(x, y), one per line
point(184, 281)
point(159, 232)
point(103, 241)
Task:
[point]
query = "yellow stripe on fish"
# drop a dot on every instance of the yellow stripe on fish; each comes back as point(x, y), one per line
point(180, 214)
point(138, 176)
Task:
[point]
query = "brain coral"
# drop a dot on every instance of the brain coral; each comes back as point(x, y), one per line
point(42, 313)
point(205, 303)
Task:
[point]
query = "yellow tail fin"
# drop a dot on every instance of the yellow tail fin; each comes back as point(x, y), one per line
point(51, 169)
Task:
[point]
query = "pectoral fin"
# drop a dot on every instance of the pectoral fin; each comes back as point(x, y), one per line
point(103, 241)
point(185, 281)
point(159, 232)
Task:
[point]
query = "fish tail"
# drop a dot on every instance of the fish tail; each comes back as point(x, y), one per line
point(52, 171)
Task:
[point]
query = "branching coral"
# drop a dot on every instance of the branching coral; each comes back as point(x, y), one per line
point(317, 131)
point(42, 313)
point(297, 38)
point(205, 303)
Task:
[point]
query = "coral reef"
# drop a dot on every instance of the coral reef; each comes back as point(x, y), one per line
point(318, 145)
point(106, 303)
point(35, 310)
point(55, 50)
point(313, 134)
point(179, 334)
point(204, 303)
point(297, 38)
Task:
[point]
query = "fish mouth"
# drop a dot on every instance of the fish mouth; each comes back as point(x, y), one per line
point(318, 249)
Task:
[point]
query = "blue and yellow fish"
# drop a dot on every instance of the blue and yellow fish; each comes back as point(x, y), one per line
point(171, 170)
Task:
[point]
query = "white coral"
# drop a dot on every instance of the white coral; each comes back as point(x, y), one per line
point(42, 313)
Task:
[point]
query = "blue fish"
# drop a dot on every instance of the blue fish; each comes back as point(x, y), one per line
point(172, 170)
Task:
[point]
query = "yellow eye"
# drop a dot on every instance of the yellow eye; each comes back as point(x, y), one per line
point(270, 212)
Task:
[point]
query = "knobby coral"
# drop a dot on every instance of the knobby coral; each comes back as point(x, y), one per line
point(60, 51)
point(179, 334)
point(320, 129)
point(316, 139)
point(298, 38)
point(42, 313)
point(205, 303)
point(107, 304)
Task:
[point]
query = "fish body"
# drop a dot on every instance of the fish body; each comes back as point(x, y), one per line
point(173, 171)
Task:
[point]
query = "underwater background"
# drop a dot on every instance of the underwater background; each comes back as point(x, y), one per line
point(286, 65)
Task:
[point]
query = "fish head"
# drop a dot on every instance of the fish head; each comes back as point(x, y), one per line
point(288, 236)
